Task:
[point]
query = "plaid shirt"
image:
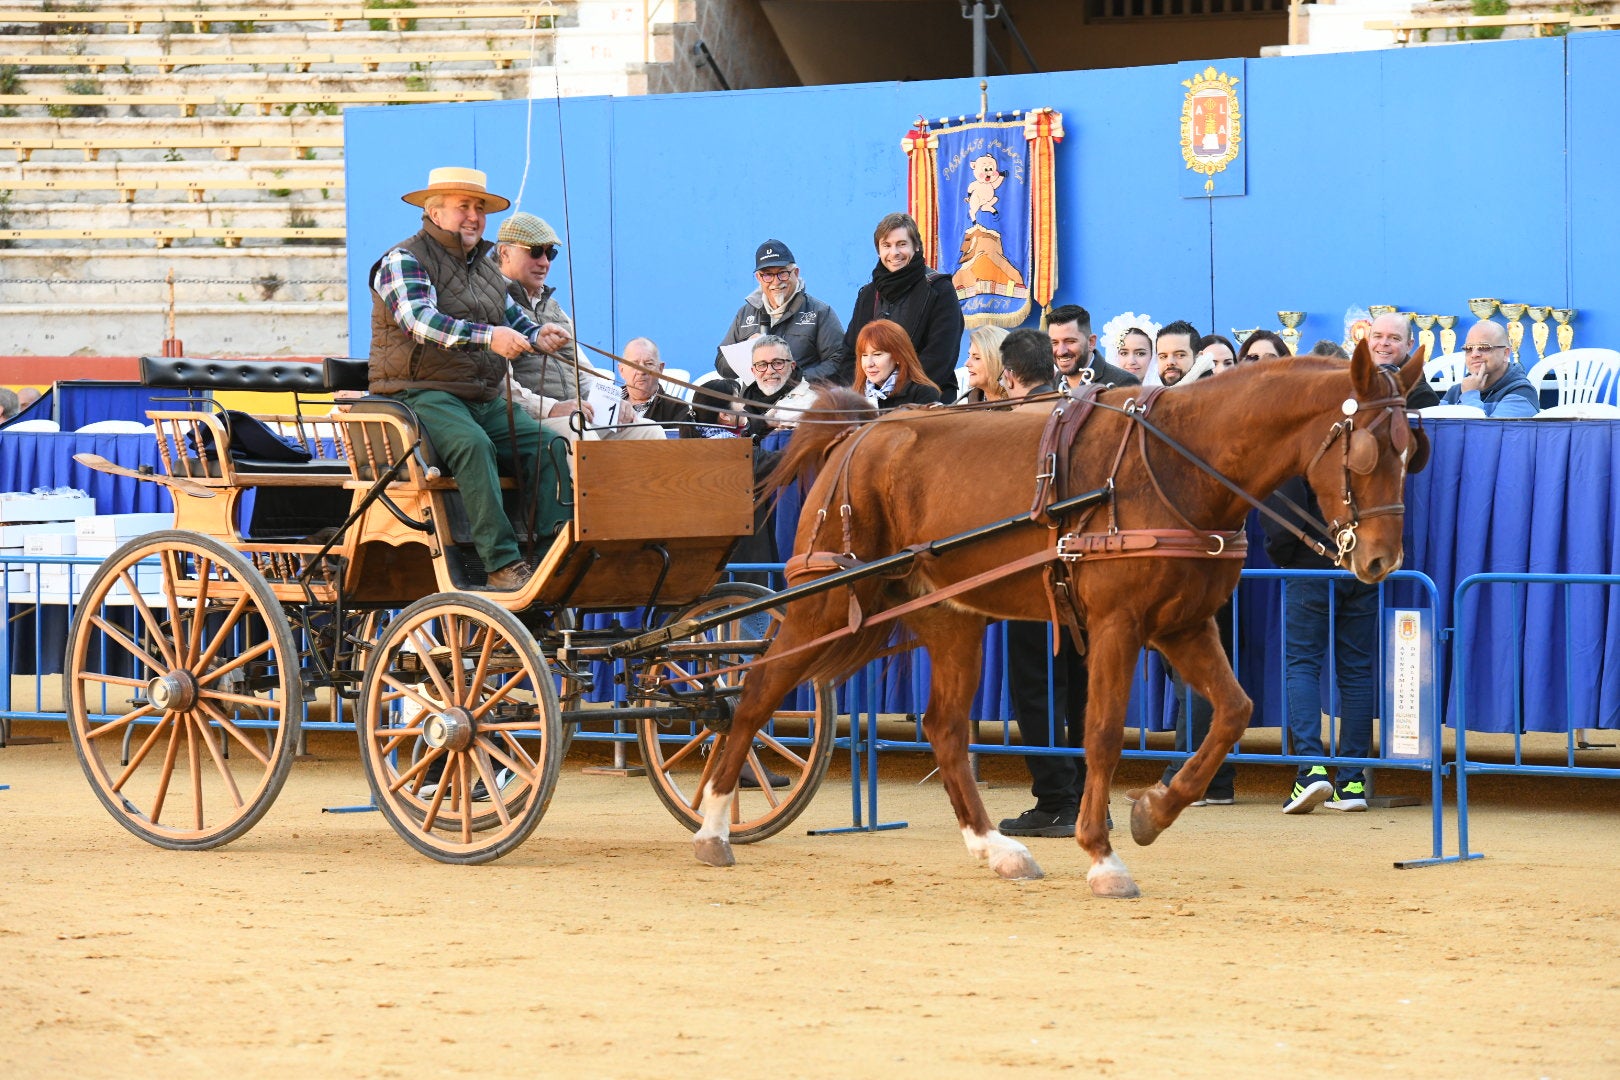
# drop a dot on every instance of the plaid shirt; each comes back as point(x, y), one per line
point(414, 304)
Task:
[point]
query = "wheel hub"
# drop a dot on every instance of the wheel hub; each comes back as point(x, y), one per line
point(451, 729)
point(176, 690)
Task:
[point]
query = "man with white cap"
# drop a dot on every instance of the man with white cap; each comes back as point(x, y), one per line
point(548, 382)
point(781, 307)
point(443, 331)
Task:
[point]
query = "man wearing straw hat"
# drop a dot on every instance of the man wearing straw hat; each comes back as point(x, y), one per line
point(443, 333)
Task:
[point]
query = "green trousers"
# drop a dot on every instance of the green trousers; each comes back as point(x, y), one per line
point(473, 441)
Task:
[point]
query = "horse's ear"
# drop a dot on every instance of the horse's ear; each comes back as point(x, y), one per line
point(1412, 370)
point(1363, 370)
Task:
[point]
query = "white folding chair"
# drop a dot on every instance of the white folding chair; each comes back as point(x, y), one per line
point(675, 389)
point(32, 425)
point(1473, 412)
point(1580, 410)
point(1582, 376)
point(113, 427)
point(1444, 371)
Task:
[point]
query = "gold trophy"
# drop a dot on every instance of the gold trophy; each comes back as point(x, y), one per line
point(1376, 310)
point(1514, 314)
point(1426, 333)
point(1538, 330)
point(1290, 333)
point(1484, 307)
point(1448, 333)
point(1564, 316)
point(1240, 336)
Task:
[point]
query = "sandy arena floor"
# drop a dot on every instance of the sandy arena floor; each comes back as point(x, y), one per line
point(1263, 945)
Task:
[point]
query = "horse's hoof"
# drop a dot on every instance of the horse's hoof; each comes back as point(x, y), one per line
point(1109, 878)
point(1017, 866)
point(1143, 829)
point(714, 850)
point(1114, 887)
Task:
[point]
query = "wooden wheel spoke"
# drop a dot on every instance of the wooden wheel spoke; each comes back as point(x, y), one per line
point(424, 652)
point(235, 732)
point(220, 764)
point(417, 771)
point(241, 699)
point(487, 775)
point(519, 761)
point(166, 772)
point(785, 752)
point(486, 653)
point(499, 695)
point(457, 668)
point(194, 638)
point(464, 793)
point(230, 665)
point(112, 725)
point(396, 738)
point(408, 690)
point(131, 646)
point(763, 777)
point(194, 765)
point(432, 814)
point(687, 748)
point(232, 617)
point(140, 753)
point(111, 680)
point(154, 629)
point(170, 558)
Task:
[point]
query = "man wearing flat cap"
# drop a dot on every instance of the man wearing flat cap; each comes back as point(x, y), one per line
point(443, 331)
point(525, 247)
point(779, 306)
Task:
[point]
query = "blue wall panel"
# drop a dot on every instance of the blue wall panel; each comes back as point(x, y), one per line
point(1416, 177)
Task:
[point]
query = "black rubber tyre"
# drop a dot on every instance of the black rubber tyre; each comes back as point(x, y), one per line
point(797, 744)
point(208, 664)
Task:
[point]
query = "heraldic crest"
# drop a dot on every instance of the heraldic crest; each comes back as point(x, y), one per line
point(983, 195)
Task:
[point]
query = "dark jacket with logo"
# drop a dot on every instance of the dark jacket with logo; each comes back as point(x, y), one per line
point(811, 328)
point(468, 287)
point(933, 320)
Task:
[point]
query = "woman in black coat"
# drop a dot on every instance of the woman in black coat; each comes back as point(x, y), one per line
point(904, 290)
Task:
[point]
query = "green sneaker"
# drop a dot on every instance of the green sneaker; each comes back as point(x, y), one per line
point(1351, 796)
point(1310, 791)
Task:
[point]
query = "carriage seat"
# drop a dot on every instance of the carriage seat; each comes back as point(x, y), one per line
point(371, 464)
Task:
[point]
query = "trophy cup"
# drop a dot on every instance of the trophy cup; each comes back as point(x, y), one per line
point(1514, 314)
point(1240, 336)
point(1426, 333)
point(1376, 310)
point(1448, 333)
point(1538, 329)
point(1290, 333)
point(1484, 307)
point(1564, 316)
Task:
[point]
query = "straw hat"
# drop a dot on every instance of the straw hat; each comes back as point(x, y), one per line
point(452, 180)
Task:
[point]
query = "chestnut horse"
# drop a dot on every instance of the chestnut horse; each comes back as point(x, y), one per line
point(912, 477)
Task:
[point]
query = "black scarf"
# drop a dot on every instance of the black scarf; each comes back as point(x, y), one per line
point(895, 284)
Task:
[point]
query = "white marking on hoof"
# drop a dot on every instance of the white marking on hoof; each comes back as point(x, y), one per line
point(1007, 857)
point(711, 843)
point(1108, 877)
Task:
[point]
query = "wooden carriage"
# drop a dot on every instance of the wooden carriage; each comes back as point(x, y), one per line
point(322, 558)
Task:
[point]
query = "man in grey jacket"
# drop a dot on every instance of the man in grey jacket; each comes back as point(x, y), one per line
point(781, 307)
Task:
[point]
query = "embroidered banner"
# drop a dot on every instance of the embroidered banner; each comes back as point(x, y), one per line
point(983, 195)
point(1212, 129)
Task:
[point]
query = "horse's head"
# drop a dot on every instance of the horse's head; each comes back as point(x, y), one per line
point(1359, 474)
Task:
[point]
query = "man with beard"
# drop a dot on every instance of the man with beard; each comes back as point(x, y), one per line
point(1495, 382)
point(904, 290)
point(781, 307)
point(775, 377)
point(1177, 345)
point(1074, 349)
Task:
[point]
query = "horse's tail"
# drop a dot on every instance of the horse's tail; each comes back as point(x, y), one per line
point(835, 411)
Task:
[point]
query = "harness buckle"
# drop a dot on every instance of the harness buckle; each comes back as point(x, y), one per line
point(1220, 544)
point(1070, 547)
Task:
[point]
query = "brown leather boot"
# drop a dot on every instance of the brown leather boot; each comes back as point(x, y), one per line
point(509, 578)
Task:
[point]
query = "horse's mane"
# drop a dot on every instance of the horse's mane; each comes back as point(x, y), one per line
point(820, 428)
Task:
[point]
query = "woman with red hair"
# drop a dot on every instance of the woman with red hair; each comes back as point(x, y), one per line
point(887, 370)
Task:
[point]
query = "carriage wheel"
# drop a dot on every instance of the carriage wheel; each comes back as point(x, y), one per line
point(189, 661)
point(456, 699)
point(797, 744)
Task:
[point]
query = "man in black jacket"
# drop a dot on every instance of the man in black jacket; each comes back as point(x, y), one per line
point(1390, 341)
point(780, 306)
point(904, 290)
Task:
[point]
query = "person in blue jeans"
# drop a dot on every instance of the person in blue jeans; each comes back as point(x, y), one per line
point(1340, 613)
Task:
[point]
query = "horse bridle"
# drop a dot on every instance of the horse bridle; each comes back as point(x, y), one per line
point(1360, 457)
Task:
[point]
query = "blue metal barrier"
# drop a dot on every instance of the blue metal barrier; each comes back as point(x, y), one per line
point(1464, 651)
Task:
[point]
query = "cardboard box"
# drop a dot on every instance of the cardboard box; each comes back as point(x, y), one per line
point(12, 536)
point(19, 585)
point(98, 549)
point(51, 543)
point(121, 527)
point(18, 506)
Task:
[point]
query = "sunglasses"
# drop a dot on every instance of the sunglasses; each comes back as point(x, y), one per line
point(548, 250)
